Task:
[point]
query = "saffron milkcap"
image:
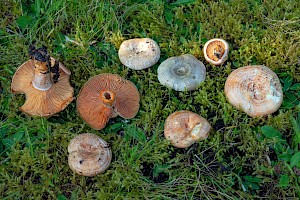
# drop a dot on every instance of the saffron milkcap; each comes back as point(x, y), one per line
point(184, 128)
point(256, 90)
point(216, 51)
point(105, 96)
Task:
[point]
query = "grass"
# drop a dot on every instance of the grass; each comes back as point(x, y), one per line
point(243, 158)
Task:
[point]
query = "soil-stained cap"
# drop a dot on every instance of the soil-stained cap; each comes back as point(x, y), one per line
point(254, 89)
point(105, 96)
point(89, 154)
point(181, 73)
point(184, 128)
point(139, 53)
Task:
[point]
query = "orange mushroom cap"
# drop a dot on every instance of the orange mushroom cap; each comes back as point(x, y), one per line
point(105, 96)
point(42, 102)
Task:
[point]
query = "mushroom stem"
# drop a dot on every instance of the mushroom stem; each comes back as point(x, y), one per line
point(108, 98)
point(42, 77)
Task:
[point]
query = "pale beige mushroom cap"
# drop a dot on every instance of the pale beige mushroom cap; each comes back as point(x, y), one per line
point(38, 102)
point(254, 89)
point(184, 128)
point(89, 154)
point(216, 51)
point(93, 102)
point(139, 53)
point(181, 73)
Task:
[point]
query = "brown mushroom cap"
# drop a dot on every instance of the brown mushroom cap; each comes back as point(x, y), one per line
point(216, 51)
point(105, 96)
point(139, 53)
point(184, 128)
point(39, 102)
point(254, 89)
point(89, 154)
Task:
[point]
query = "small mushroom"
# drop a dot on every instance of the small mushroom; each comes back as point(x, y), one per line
point(184, 128)
point(139, 53)
point(89, 155)
point(45, 82)
point(105, 96)
point(181, 73)
point(254, 89)
point(216, 51)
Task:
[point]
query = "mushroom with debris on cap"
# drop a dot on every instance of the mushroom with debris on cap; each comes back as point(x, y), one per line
point(45, 82)
point(139, 53)
point(184, 128)
point(89, 154)
point(105, 96)
point(216, 51)
point(254, 89)
point(181, 73)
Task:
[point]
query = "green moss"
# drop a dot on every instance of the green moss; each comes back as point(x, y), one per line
point(233, 162)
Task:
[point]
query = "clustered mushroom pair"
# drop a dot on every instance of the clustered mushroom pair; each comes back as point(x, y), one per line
point(45, 83)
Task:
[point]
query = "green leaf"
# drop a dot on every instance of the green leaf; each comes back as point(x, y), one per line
point(252, 179)
point(295, 86)
point(284, 181)
point(18, 136)
point(24, 21)
point(8, 142)
point(169, 16)
point(132, 131)
point(270, 132)
point(285, 157)
point(61, 197)
point(295, 159)
point(183, 2)
point(291, 96)
point(287, 83)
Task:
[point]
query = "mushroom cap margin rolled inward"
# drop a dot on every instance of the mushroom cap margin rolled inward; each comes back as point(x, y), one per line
point(105, 96)
point(89, 154)
point(42, 102)
point(139, 53)
point(184, 128)
point(181, 73)
point(216, 51)
point(254, 89)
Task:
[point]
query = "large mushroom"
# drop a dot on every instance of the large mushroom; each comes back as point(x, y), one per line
point(184, 128)
point(216, 51)
point(254, 89)
point(139, 53)
point(89, 154)
point(45, 82)
point(181, 73)
point(105, 96)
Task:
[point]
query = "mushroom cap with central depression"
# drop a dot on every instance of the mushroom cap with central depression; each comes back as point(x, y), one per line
point(181, 73)
point(105, 96)
point(254, 89)
point(89, 154)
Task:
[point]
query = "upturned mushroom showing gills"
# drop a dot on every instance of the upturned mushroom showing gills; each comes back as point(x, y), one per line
point(89, 155)
point(184, 128)
point(105, 96)
point(216, 51)
point(45, 82)
point(254, 89)
point(139, 53)
point(181, 73)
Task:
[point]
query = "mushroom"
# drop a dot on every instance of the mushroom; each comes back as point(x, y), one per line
point(254, 89)
point(181, 73)
point(89, 155)
point(216, 51)
point(139, 53)
point(105, 96)
point(45, 82)
point(184, 128)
